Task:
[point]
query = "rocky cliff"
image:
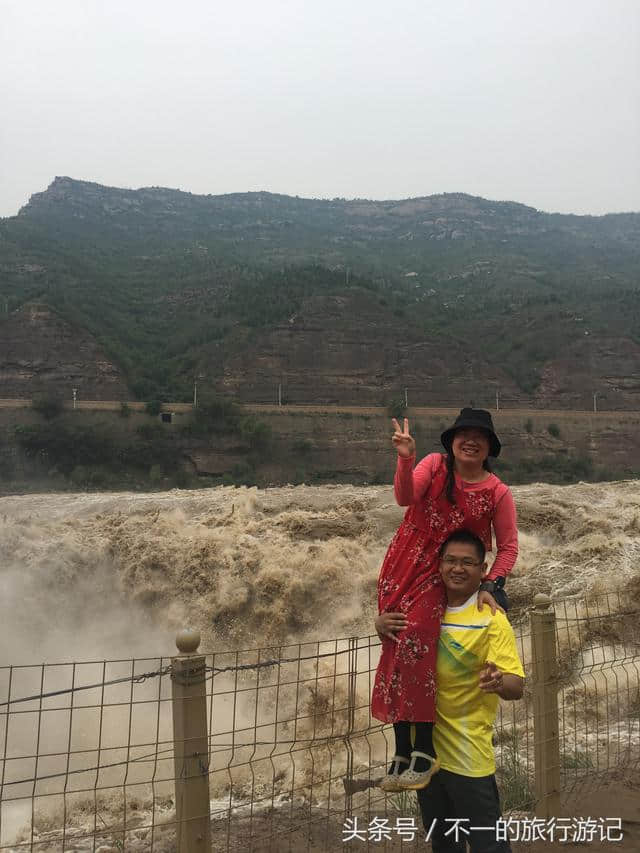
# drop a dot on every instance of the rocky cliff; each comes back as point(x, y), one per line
point(41, 353)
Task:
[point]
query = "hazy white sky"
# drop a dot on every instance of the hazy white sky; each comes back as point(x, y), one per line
point(536, 101)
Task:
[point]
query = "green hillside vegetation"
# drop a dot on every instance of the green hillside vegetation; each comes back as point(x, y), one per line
point(167, 281)
point(68, 449)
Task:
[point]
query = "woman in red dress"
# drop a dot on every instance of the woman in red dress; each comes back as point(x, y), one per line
point(444, 492)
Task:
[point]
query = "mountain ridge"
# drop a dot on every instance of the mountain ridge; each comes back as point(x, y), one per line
point(252, 289)
point(65, 181)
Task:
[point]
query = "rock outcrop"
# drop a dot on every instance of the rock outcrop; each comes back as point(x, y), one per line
point(41, 353)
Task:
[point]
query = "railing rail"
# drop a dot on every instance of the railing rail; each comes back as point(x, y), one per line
point(284, 751)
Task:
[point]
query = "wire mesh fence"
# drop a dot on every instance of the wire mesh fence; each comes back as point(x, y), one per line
point(598, 642)
point(331, 392)
point(90, 751)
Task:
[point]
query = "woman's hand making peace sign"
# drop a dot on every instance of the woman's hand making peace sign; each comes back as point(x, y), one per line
point(402, 441)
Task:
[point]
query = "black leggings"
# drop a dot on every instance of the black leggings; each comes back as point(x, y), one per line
point(423, 740)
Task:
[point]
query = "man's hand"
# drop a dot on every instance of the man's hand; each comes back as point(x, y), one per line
point(402, 441)
point(490, 678)
point(505, 684)
point(389, 624)
point(485, 597)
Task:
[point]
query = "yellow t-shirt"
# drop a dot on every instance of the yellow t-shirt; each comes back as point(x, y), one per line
point(465, 714)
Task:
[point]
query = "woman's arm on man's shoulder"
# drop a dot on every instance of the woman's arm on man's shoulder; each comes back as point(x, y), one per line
point(505, 525)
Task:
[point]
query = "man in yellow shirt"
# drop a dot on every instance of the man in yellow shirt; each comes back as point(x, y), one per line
point(477, 663)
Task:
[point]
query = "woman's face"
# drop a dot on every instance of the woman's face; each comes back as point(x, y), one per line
point(470, 445)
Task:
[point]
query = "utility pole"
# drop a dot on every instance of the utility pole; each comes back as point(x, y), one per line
point(497, 400)
point(279, 393)
point(595, 404)
point(406, 399)
point(197, 378)
point(75, 393)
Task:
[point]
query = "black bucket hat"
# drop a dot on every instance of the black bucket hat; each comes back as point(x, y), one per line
point(478, 419)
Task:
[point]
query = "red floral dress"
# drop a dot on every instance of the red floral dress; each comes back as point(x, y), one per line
point(409, 582)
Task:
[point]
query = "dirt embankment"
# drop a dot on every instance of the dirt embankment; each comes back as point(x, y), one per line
point(314, 444)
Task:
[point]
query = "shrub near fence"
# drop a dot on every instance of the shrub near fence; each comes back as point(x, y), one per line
point(273, 749)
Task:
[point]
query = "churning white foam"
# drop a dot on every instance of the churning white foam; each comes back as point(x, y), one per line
point(108, 575)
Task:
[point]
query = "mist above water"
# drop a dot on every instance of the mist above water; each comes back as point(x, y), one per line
point(109, 575)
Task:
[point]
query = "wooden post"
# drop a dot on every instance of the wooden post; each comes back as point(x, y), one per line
point(351, 720)
point(191, 746)
point(546, 735)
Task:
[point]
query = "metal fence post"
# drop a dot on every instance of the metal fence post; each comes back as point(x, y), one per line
point(546, 735)
point(191, 745)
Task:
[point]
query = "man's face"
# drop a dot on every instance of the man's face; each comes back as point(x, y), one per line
point(461, 568)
